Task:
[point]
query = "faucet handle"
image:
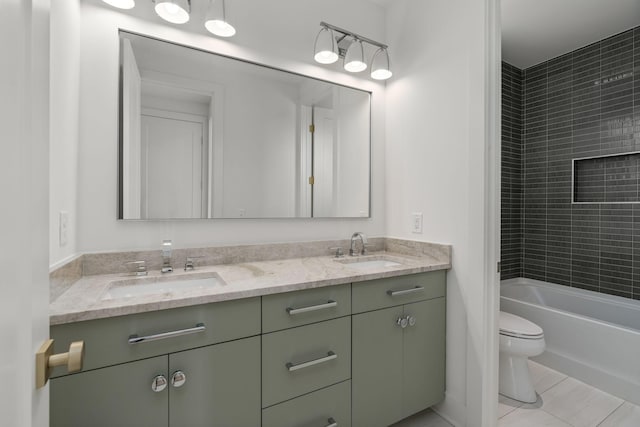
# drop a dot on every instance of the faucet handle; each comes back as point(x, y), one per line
point(141, 267)
point(338, 252)
point(188, 263)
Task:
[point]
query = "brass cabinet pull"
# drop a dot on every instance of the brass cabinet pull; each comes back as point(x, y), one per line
point(330, 356)
point(405, 291)
point(135, 339)
point(46, 360)
point(328, 304)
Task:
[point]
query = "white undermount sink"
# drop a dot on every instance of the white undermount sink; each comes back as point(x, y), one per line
point(141, 286)
point(367, 262)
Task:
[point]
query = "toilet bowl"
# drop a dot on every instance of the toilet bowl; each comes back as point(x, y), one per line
point(519, 340)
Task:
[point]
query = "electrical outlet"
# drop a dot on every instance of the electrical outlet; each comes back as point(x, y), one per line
point(63, 228)
point(416, 222)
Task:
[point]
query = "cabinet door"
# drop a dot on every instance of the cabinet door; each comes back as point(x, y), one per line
point(222, 385)
point(115, 396)
point(424, 356)
point(377, 368)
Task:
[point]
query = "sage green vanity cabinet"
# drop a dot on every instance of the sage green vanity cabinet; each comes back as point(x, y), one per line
point(119, 395)
point(330, 406)
point(195, 385)
point(221, 388)
point(398, 352)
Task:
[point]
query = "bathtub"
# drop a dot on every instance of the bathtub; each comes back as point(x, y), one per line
point(592, 337)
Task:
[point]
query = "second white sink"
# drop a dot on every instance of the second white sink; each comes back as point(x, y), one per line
point(162, 285)
point(370, 262)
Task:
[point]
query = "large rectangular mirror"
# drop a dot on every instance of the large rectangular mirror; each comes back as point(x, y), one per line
point(207, 136)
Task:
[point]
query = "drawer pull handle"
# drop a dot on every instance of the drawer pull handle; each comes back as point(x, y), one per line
point(332, 423)
point(405, 291)
point(330, 356)
point(294, 311)
point(135, 339)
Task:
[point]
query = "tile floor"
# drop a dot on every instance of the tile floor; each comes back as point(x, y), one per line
point(562, 402)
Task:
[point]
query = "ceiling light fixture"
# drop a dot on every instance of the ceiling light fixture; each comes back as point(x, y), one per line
point(325, 48)
point(216, 22)
point(333, 42)
point(121, 4)
point(174, 11)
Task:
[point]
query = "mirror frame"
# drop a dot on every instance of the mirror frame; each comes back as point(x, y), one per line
point(120, 155)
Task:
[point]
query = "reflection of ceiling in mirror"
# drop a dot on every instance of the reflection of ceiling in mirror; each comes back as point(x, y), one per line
point(196, 64)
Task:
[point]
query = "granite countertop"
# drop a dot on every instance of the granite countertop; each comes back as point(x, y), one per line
point(87, 298)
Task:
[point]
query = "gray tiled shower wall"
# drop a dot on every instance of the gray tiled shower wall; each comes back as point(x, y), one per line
point(582, 104)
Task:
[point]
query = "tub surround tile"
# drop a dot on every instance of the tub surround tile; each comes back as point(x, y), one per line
point(582, 104)
point(578, 404)
point(522, 417)
point(627, 415)
point(84, 300)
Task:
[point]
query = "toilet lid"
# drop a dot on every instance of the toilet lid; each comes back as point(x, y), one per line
point(516, 326)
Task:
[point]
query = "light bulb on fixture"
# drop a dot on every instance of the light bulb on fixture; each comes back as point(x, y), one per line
point(174, 11)
point(325, 50)
point(121, 4)
point(216, 22)
point(380, 66)
point(354, 58)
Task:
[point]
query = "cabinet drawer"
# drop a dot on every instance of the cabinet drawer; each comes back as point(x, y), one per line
point(321, 408)
point(107, 340)
point(299, 308)
point(300, 360)
point(382, 293)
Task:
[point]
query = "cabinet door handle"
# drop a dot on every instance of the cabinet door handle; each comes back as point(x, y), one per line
point(135, 339)
point(332, 423)
point(328, 304)
point(330, 356)
point(405, 291)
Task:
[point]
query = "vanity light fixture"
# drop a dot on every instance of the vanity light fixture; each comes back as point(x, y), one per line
point(174, 11)
point(380, 67)
point(326, 48)
point(354, 58)
point(121, 4)
point(216, 22)
point(333, 42)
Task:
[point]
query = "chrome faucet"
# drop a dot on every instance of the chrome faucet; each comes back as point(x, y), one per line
point(166, 257)
point(354, 238)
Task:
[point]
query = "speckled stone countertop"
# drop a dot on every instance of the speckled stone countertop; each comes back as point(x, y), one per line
point(88, 298)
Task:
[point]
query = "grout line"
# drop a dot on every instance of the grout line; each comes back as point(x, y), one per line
point(611, 413)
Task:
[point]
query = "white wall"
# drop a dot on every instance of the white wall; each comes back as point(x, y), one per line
point(435, 165)
point(63, 162)
point(266, 34)
point(24, 172)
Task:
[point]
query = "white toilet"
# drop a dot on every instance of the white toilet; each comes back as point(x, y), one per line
point(519, 340)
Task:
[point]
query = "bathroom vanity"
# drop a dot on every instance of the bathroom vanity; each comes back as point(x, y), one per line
point(294, 342)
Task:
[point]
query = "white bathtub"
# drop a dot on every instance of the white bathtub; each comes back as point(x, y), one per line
point(590, 336)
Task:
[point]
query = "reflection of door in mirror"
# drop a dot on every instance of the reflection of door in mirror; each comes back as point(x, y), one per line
point(324, 153)
point(172, 158)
